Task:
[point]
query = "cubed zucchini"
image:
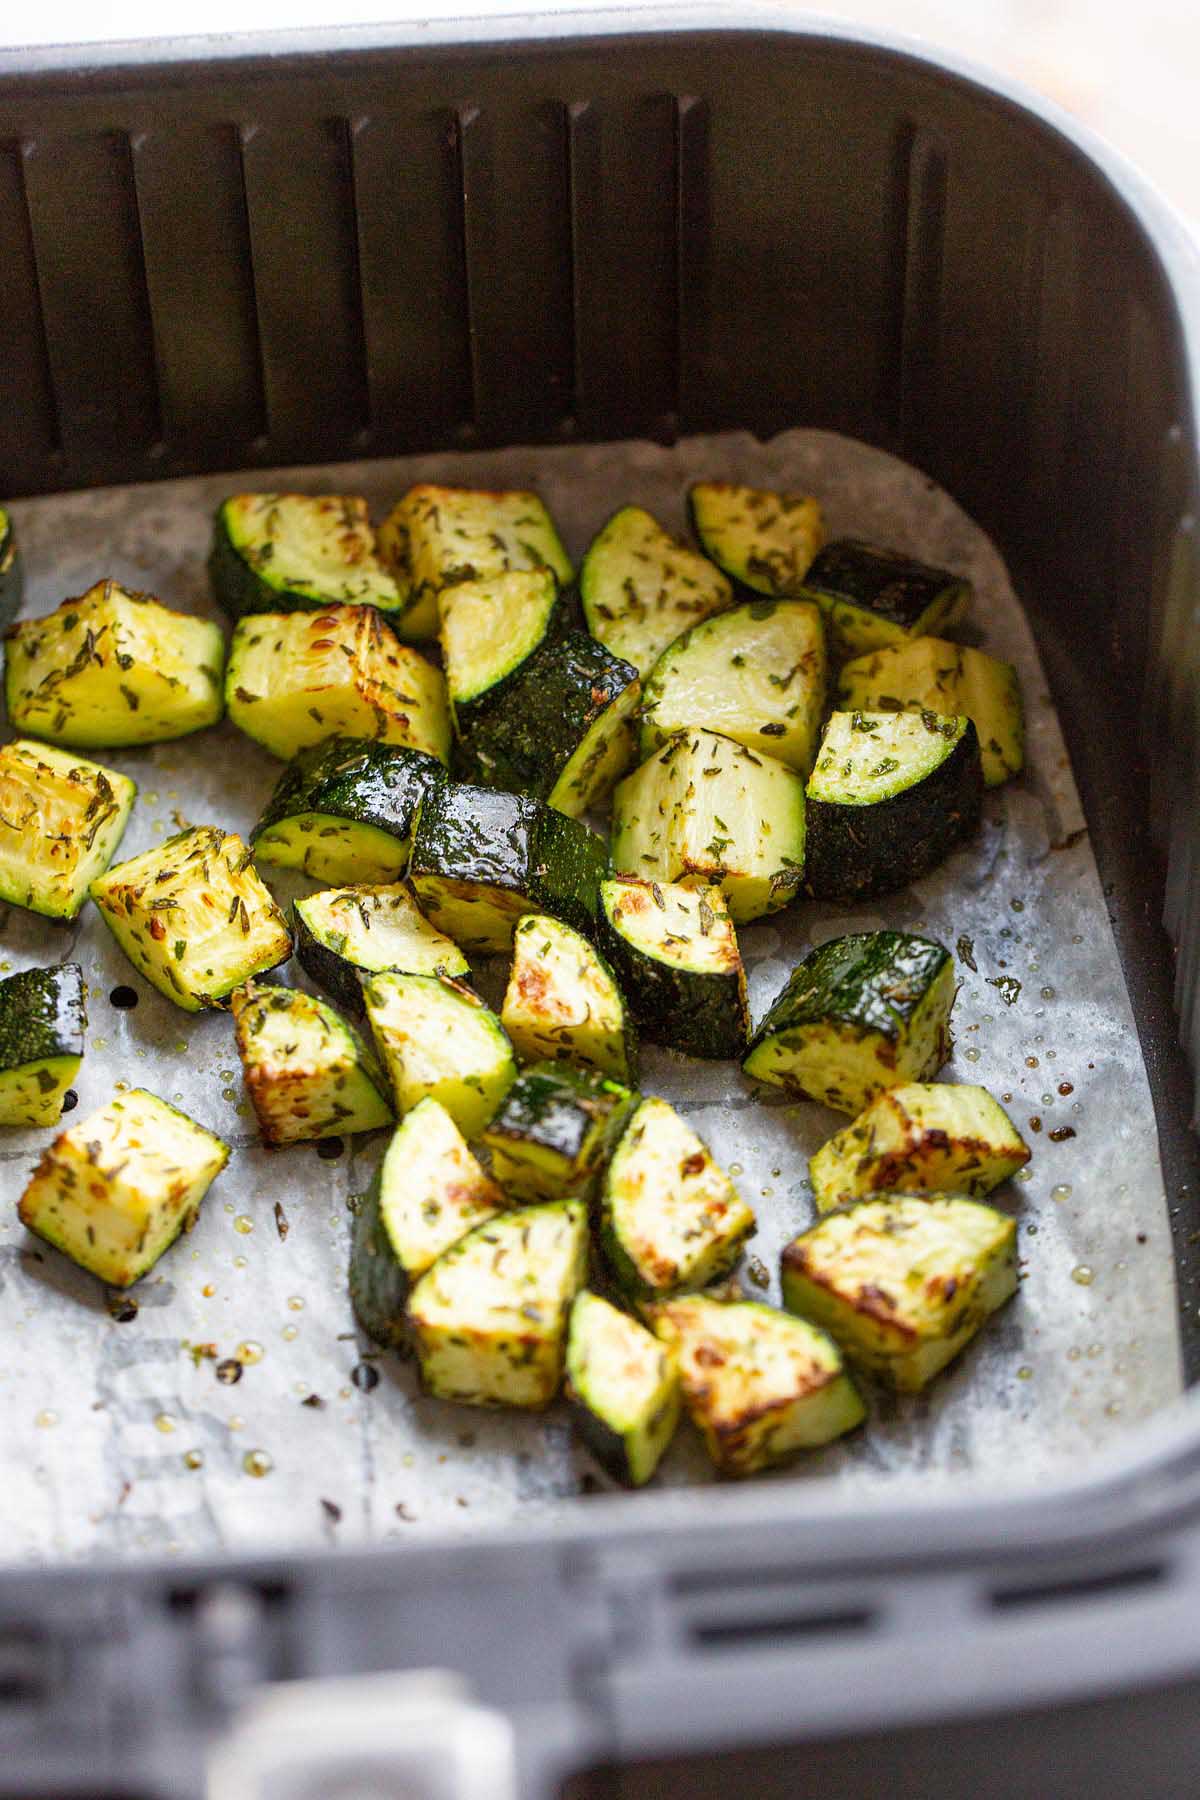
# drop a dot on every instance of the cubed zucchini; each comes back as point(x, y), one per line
point(113, 669)
point(624, 1389)
point(641, 587)
point(42, 1021)
point(490, 1317)
point(756, 674)
point(429, 1191)
point(12, 582)
point(758, 1384)
point(116, 1189)
point(920, 1136)
point(563, 1003)
point(891, 796)
point(61, 820)
point(437, 1037)
point(342, 933)
point(343, 810)
point(193, 916)
point(670, 1217)
point(489, 630)
point(860, 1014)
point(705, 807)
point(932, 675)
point(556, 1130)
point(307, 1072)
point(762, 539)
point(903, 1283)
point(275, 553)
point(872, 597)
point(676, 955)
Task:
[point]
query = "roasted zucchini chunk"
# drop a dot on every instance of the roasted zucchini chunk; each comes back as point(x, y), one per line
point(677, 958)
point(705, 807)
point(437, 1037)
point(436, 537)
point(343, 811)
point(891, 796)
point(623, 1385)
point(641, 587)
point(860, 1014)
point(563, 1004)
point(873, 597)
point(115, 1190)
point(42, 1021)
point(193, 916)
point(489, 631)
point(903, 1283)
point(555, 1131)
point(764, 540)
point(274, 553)
point(481, 860)
point(920, 1136)
point(758, 1384)
point(931, 675)
point(307, 1072)
point(562, 731)
point(342, 933)
point(670, 1217)
point(12, 582)
point(61, 820)
point(113, 669)
point(429, 1191)
point(295, 679)
point(490, 1317)
point(757, 674)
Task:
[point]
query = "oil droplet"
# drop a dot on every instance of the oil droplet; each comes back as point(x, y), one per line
point(239, 1262)
point(228, 1075)
point(1034, 965)
point(295, 1303)
point(971, 1055)
point(1077, 939)
point(1006, 1098)
point(300, 1387)
point(229, 1094)
point(1024, 1174)
point(735, 1168)
point(1061, 1192)
point(1031, 1062)
point(250, 1352)
point(229, 1206)
point(364, 1377)
point(1025, 1373)
point(1017, 905)
point(1047, 1099)
point(208, 1290)
point(99, 1043)
point(46, 1418)
point(1074, 1353)
point(1095, 1350)
point(289, 1333)
point(1083, 1274)
point(1066, 1087)
point(767, 1192)
point(1031, 1230)
point(181, 1045)
point(243, 1223)
point(1052, 1056)
point(122, 1087)
point(164, 1423)
point(1076, 1106)
point(1048, 993)
point(193, 1459)
point(257, 1463)
point(151, 799)
point(236, 1421)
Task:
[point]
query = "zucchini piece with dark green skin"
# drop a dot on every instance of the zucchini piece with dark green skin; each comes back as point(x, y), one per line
point(932, 674)
point(308, 1073)
point(489, 632)
point(762, 539)
point(623, 1386)
point(342, 933)
point(482, 859)
point(438, 1038)
point(872, 597)
point(562, 731)
point(42, 1021)
point(563, 1003)
point(61, 821)
point(859, 1015)
point(555, 1131)
point(299, 553)
point(641, 587)
point(12, 575)
point(676, 955)
point(343, 811)
point(890, 797)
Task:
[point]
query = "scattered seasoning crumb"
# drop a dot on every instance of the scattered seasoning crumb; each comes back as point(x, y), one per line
point(1035, 1124)
point(467, 1440)
point(1141, 1237)
point(1066, 1087)
point(1061, 1133)
point(1009, 988)
point(314, 1402)
point(461, 1501)
point(966, 953)
point(199, 1352)
point(122, 1308)
point(229, 1371)
point(332, 1510)
point(281, 1221)
point(402, 1512)
point(758, 1272)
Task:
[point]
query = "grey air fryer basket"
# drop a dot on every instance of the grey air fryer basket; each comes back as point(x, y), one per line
point(249, 254)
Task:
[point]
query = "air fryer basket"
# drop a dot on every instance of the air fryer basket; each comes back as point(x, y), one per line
point(254, 254)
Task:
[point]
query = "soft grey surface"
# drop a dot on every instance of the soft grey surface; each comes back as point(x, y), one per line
point(98, 1415)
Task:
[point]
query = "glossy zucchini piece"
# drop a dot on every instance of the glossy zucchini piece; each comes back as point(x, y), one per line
point(555, 1131)
point(61, 820)
point(490, 1317)
point(670, 1217)
point(563, 731)
point(489, 631)
point(676, 955)
point(274, 553)
point(343, 810)
point(116, 1189)
point(641, 587)
point(563, 1003)
point(757, 674)
point(758, 1384)
point(921, 1136)
point(932, 675)
point(42, 1021)
point(429, 1192)
point(437, 1038)
point(872, 597)
point(481, 860)
point(295, 679)
point(342, 933)
point(624, 1389)
point(113, 669)
point(762, 539)
point(193, 916)
point(892, 794)
point(12, 582)
point(704, 807)
point(903, 1284)
point(859, 1015)
point(308, 1073)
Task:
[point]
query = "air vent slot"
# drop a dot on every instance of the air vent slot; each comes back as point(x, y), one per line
point(1067, 1589)
point(788, 1628)
point(24, 1668)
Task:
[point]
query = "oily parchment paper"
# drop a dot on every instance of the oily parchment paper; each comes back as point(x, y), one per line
point(117, 1436)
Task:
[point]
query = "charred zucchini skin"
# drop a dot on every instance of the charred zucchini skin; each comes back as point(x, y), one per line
point(330, 971)
point(12, 575)
point(355, 779)
point(874, 981)
point(379, 1286)
point(701, 1012)
point(571, 1115)
point(880, 595)
point(859, 852)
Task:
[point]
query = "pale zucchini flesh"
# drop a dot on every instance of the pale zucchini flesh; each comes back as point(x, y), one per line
point(938, 1137)
point(283, 552)
point(676, 953)
point(344, 932)
point(931, 674)
point(308, 1073)
point(624, 1386)
point(438, 1039)
point(763, 539)
point(61, 821)
point(641, 587)
point(490, 627)
point(563, 1003)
